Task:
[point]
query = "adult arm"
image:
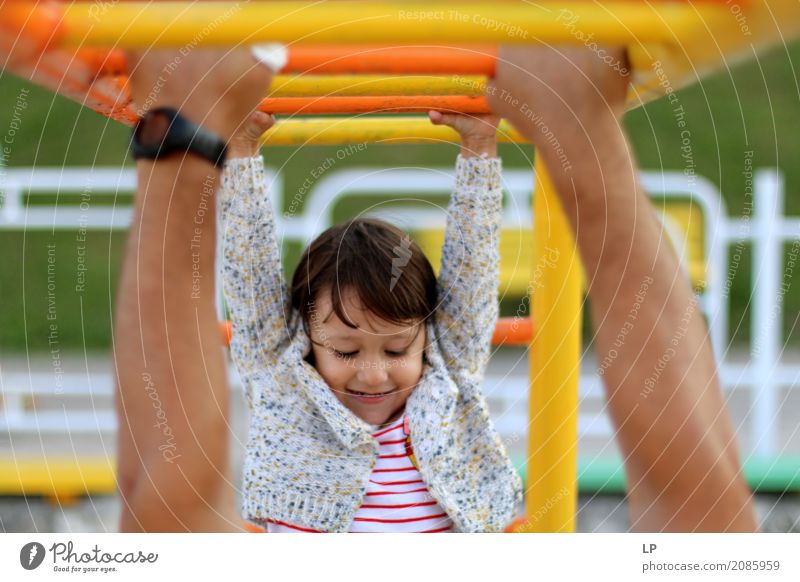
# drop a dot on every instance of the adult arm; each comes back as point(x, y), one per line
point(681, 462)
point(172, 392)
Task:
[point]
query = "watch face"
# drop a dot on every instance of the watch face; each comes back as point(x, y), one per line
point(151, 133)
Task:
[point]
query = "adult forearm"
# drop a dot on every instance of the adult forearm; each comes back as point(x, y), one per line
point(172, 415)
point(653, 348)
point(173, 394)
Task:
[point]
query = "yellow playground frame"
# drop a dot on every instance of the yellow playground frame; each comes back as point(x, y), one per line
point(382, 50)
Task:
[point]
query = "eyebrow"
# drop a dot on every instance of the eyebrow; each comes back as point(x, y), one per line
point(408, 336)
point(401, 335)
point(339, 337)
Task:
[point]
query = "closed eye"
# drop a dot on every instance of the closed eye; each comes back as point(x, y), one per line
point(396, 354)
point(339, 354)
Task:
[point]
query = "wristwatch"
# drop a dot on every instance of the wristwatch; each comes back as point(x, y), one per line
point(162, 132)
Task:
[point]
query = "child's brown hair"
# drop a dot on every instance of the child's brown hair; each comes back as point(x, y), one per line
point(373, 259)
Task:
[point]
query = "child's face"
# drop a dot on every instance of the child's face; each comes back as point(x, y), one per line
point(372, 369)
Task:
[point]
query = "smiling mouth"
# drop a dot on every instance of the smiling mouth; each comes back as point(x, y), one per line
point(367, 394)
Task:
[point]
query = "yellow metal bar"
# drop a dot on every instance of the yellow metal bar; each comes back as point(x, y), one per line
point(184, 24)
point(750, 27)
point(554, 367)
point(60, 477)
point(376, 85)
point(385, 130)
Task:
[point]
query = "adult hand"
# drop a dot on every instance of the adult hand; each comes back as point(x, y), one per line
point(569, 102)
point(561, 85)
point(216, 88)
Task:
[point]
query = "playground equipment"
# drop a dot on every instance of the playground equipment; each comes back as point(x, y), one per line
point(694, 213)
point(704, 235)
point(65, 47)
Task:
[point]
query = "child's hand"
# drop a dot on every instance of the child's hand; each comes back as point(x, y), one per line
point(246, 142)
point(478, 132)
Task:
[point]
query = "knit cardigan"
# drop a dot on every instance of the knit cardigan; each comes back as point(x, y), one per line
point(308, 457)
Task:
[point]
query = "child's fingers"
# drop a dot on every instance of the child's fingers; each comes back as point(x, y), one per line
point(448, 119)
point(262, 121)
point(258, 123)
point(466, 125)
point(436, 117)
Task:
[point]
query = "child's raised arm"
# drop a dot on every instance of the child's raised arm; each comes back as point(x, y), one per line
point(252, 276)
point(468, 279)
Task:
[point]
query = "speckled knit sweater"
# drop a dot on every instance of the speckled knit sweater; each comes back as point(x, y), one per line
point(308, 456)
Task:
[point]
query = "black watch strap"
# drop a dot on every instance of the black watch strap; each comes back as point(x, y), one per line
point(163, 131)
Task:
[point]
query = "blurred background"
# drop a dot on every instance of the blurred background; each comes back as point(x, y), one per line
point(67, 185)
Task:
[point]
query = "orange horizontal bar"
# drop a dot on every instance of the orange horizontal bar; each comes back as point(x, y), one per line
point(476, 60)
point(104, 62)
point(226, 332)
point(370, 104)
point(366, 59)
point(27, 30)
point(508, 331)
point(513, 331)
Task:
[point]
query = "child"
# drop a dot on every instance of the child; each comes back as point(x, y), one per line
point(363, 383)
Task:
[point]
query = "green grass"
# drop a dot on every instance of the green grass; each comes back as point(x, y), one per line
point(753, 107)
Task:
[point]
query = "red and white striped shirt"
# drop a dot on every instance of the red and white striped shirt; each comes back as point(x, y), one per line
point(396, 499)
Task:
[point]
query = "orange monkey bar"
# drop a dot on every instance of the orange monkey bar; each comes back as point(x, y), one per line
point(509, 331)
point(366, 59)
point(226, 332)
point(97, 79)
point(27, 29)
point(370, 104)
point(513, 331)
point(350, 59)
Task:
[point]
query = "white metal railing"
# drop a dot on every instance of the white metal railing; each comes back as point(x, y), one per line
point(79, 190)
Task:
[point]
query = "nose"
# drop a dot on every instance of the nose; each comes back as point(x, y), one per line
point(372, 374)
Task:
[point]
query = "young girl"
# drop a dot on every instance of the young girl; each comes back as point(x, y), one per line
point(363, 382)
